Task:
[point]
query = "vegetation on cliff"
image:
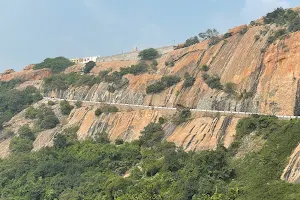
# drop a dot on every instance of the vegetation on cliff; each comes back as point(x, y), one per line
point(148, 54)
point(88, 67)
point(258, 174)
point(64, 81)
point(164, 83)
point(56, 65)
point(13, 101)
point(45, 117)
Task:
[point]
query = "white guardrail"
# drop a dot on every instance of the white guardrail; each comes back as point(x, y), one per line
point(171, 108)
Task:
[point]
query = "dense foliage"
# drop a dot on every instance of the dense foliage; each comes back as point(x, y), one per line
point(139, 68)
point(95, 170)
point(64, 81)
point(188, 80)
point(165, 82)
point(13, 101)
point(280, 16)
point(191, 41)
point(214, 82)
point(148, 54)
point(88, 67)
point(56, 65)
point(259, 172)
point(23, 142)
point(106, 109)
point(46, 118)
point(65, 107)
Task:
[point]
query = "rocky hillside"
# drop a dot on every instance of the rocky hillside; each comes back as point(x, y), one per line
point(252, 68)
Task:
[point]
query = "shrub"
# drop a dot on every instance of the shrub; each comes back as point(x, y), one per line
point(170, 63)
point(64, 81)
point(230, 88)
point(119, 141)
point(294, 25)
point(209, 34)
point(98, 112)
point(109, 109)
point(205, 76)
point(165, 82)
point(31, 113)
point(191, 41)
point(60, 141)
point(20, 145)
point(245, 95)
point(88, 67)
point(214, 82)
point(140, 68)
point(51, 103)
point(47, 120)
point(26, 133)
point(170, 80)
point(152, 135)
point(205, 68)
point(227, 35)
point(78, 104)
point(154, 65)
point(188, 80)
point(56, 65)
point(280, 16)
point(148, 54)
point(65, 107)
point(252, 23)
point(182, 116)
point(155, 87)
point(102, 74)
point(279, 33)
point(161, 120)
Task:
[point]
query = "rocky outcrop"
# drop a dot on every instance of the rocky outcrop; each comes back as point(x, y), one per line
point(197, 134)
point(26, 75)
point(292, 170)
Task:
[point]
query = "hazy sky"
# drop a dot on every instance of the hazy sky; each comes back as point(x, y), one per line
point(32, 30)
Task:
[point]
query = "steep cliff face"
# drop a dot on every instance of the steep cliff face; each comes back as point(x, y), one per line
point(197, 134)
point(269, 73)
point(200, 133)
point(292, 170)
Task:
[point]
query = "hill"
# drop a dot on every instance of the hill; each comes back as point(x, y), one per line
point(163, 112)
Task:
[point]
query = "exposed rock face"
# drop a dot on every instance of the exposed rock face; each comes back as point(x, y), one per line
point(268, 73)
point(292, 170)
point(26, 75)
point(198, 134)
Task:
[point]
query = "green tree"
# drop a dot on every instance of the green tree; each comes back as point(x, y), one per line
point(60, 141)
point(98, 112)
point(191, 41)
point(188, 80)
point(26, 133)
point(78, 104)
point(56, 65)
point(152, 135)
point(20, 145)
point(88, 67)
point(148, 54)
point(230, 88)
point(65, 107)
